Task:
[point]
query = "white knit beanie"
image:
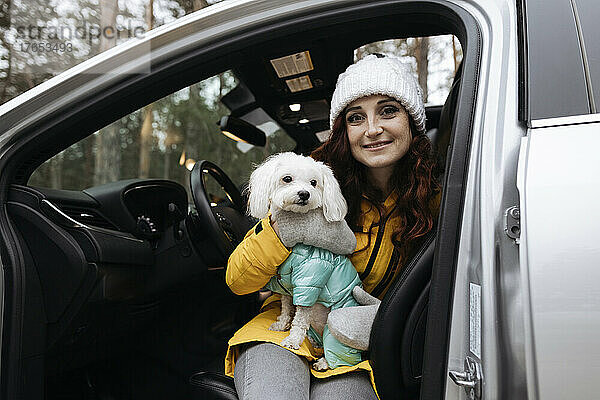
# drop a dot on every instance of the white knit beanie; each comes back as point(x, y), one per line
point(386, 75)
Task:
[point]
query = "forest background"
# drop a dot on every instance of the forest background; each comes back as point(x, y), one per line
point(164, 138)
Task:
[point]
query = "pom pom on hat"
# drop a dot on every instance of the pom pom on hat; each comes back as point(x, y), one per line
point(386, 75)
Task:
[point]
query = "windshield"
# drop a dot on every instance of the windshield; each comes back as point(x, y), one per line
point(163, 140)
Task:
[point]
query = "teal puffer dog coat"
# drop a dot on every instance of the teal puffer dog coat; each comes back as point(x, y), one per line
point(314, 275)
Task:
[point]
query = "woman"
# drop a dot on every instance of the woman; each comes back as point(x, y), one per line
point(383, 161)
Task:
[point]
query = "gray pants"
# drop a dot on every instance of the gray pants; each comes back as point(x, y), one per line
point(268, 371)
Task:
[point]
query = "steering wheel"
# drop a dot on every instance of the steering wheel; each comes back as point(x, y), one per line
point(224, 225)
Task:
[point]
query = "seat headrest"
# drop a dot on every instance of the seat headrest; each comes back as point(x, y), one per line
point(440, 137)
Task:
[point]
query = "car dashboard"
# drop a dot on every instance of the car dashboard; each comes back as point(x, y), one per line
point(133, 232)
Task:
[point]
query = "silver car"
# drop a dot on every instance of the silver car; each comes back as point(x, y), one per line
point(114, 288)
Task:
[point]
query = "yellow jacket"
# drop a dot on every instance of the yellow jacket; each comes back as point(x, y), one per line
point(257, 257)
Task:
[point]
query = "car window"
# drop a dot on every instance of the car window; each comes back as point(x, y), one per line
point(589, 13)
point(164, 140)
point(432, 59)
point(556, 79)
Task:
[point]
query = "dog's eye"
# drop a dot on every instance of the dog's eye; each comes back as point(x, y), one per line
point(287, 179)
point(314, 183)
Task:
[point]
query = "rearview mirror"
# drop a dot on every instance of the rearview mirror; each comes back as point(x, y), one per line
point(242, 131)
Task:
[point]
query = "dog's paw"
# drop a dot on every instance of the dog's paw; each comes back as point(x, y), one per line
point(320, 364)
point(292, 342)
point(280, 326)
point(314, 343)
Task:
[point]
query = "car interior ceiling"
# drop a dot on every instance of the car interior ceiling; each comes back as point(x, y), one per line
point(86, 344)
point(260, 86)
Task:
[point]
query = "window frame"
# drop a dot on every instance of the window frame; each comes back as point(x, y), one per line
point(540, 103)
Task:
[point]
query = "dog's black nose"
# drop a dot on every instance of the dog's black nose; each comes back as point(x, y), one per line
point(303, 194)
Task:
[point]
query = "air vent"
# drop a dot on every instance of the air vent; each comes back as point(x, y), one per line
point(87, 217)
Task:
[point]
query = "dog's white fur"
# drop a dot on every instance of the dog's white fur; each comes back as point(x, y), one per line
point(268, 191)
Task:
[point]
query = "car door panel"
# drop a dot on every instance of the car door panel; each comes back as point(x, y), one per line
point(559, 185)
point(59, 261)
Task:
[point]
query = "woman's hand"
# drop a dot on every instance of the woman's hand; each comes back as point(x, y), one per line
point(352, 325)
point(364, 298)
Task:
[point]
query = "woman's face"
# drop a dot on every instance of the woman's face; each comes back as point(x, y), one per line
point(378, 131)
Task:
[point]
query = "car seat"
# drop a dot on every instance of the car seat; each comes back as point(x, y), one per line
point(398, 334)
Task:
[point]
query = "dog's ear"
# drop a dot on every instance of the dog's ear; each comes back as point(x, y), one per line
point(260, 187)
point(334, 204)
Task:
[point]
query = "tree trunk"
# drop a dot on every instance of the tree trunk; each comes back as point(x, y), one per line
point(361, 53)
point(108, 156)
point(107, 166)
point(167, 163)
point(108, 17)
point(146, 143)
point(421, 55)
point(189, 146)
point(89, 166)
point(5, 23)
point(56, 164)
point(7, 78)
point(146, 131)
point(199, 4)
point(454, 54)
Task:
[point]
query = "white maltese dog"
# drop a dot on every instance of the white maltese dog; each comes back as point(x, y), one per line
point(291, 182)
point(305, 200)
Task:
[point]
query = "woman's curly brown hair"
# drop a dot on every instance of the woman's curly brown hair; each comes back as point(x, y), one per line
point(414, 179)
